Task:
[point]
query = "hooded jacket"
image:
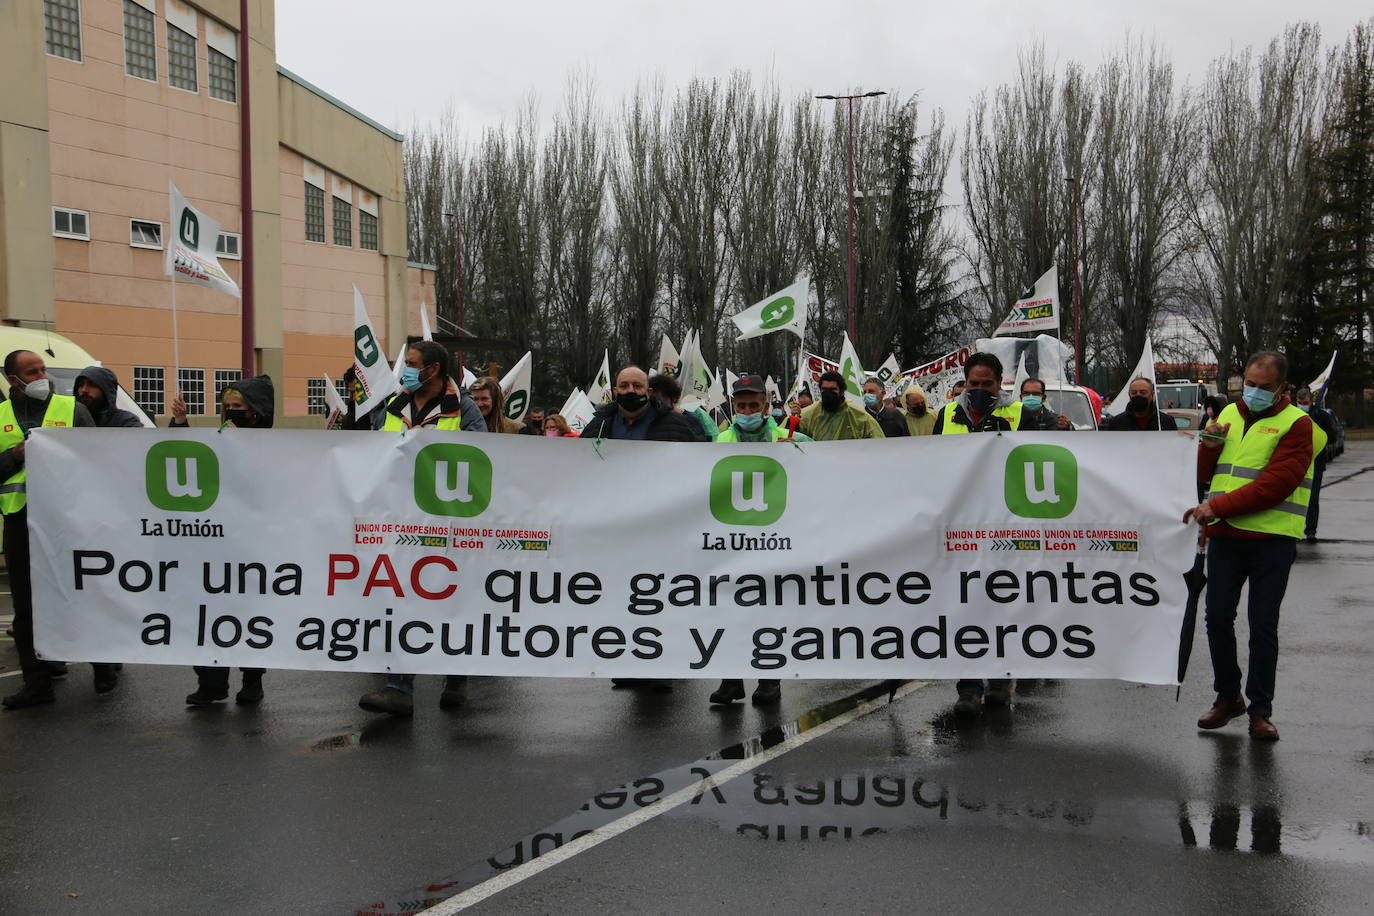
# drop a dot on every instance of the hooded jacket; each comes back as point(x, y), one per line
point(109, 415)
point(257, 393)
point(665, 425)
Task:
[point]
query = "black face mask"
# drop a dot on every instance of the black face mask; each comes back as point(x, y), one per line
point(236, 415)
point(831, 400)
point(980, 399)
point(1138, 404)
point(631, 401)
point(918, 411)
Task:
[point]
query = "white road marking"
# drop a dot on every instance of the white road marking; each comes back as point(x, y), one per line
point(11, 673)
point(492, 886)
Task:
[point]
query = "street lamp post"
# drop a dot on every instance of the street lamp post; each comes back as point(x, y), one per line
point(457, 284)
point(849, 235)
point(1077, 285)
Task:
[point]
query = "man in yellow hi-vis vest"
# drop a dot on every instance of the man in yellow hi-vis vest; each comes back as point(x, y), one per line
point(31, 404)
point(1257, 456)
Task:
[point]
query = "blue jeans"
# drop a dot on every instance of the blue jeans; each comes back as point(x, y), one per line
point(1265, 565)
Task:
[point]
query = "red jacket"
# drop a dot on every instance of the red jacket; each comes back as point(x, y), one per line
point(1286, 469)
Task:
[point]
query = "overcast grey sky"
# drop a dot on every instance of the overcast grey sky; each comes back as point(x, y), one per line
point(407, 61)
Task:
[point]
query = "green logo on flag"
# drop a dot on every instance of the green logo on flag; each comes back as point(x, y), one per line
point(851, 377)
point(181, 476)
point(1041, 481)
point(778, 313)
point(515, 405)
point(748, 490)
point(190, 228)
point(452, 480)
point(365, 349)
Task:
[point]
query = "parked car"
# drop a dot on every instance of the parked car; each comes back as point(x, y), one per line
point(1070, 400)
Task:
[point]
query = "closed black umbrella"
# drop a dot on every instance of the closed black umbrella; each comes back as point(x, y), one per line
point(1197, 581)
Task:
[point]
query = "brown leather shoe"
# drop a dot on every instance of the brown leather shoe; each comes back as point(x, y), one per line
point(1221, 713)
point(1261, 729)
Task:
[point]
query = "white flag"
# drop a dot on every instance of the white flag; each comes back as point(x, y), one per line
point(376, 377)
point(1145, 368)
point(695, 376)
point(1320, 383)
point(425, 333)
point(1037, 308)
point(599, 391)
point(515, 387)
point(782, 311)
point(191, 241)
point(578, 411)
point(853, 373)
point(468, 378)
point(771, 387)
point(669, 360)
point(730, 379)
point(888, 373)
point(338, 411)
point(400, 363)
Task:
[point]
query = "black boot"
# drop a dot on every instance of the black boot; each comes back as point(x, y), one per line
point(251, 691)
point(207, 694)
point(728, 692)
point(29, 695)
point(767, 692)
point(105, 678)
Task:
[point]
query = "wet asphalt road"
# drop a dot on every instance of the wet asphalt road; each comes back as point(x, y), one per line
point(1086, 796)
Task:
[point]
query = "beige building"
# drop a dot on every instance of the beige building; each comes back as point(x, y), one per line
point(105, 102)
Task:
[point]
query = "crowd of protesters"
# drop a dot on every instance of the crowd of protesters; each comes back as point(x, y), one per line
point(1258, 484)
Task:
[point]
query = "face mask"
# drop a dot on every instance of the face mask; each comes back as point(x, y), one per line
point(1257, 399)
point(631, 401)
point(1305, 408)
point(410, 378)
point(749, 423)
point(778, 415)
point(831, 400)
point(870, 401)
point(38, 389)
point(918, 411)
point(551, 432)
point(1138, 404)
point(236, 415)
point(980, 399)
point(1033, 402)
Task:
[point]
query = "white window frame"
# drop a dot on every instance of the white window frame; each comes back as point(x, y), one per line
point(152, 12)
point(146, 222)
point(69, 234)
point(162, 394)
point(195, 56)
point(315, 403)
point(221, 382)
point(80, 36)
point(237, 254)
point(187, 377)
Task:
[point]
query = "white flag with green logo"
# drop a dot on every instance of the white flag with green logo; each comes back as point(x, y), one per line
point(669, 360)
point(888, 373)
point(782, 311)
point(578, 410)
point(697, 380)
point(377, 379)
point(599, 391)
point(853, 373)
point(515, 387)
point(191, 241)
point(338, 411)
point(1037, 309)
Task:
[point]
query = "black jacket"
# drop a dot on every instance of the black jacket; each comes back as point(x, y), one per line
point(258, 394)
point(665, 425)
point(892, 421)
point(1124, 422)
point(109, 415)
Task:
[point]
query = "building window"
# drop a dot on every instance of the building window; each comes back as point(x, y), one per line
point(181, 59)
point(314, 213)
point(71, 224)
point(314, 396)
point(191, 382)
point(367, 230)
point(145, 234)
point(62, 28)
point(227, 246)
point(223, 77)
point(225, 378)
point(148, 389)
point(140, 42)
point(343, 223)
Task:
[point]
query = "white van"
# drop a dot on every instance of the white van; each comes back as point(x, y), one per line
point(64, 360)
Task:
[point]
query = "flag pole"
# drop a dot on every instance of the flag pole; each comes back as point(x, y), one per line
point(176, 339)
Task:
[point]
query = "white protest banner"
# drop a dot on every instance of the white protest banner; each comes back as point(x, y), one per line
point(191, 247)
point(782, 311)
point(938, 376)
point(441, 551)
point(516, 385)
point(377, 379)
point(1037, 309)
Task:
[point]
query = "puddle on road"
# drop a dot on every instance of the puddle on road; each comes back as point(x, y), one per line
point(866, 805)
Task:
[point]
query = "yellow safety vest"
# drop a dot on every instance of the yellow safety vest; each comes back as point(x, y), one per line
point(1010, 413)
point(61, 411)
point(395, 423)
point(1247, 452)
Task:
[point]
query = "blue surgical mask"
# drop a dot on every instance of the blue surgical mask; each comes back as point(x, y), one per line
point(749, 423)
point(410, 378)
point(1305, 408)
point(870, 401)
point(1033, 402)
point(778, 414)
point(1257, 399)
